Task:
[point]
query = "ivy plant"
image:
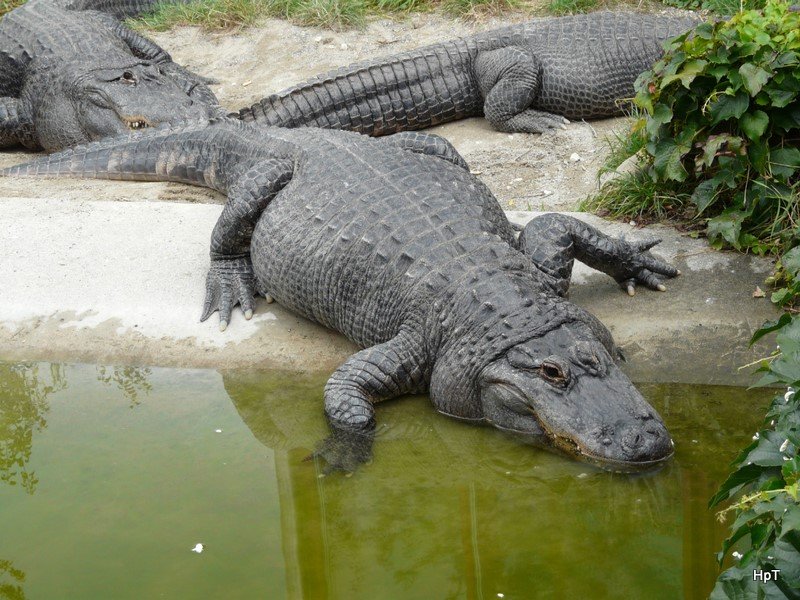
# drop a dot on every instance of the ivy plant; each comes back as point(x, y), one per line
point(723, 119)
point(765, 486)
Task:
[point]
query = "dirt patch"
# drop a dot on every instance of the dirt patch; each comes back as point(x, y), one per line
point(553, 171)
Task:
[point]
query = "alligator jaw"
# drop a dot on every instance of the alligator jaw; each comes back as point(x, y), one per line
point(136, 122)
point(568, 446)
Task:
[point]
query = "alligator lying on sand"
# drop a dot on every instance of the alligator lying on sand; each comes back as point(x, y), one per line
point(527, 78)
point(411, 257)
point(69, 74)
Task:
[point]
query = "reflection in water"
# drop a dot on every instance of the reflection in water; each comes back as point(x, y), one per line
point(131, 381)
point(23, 405)
point(468, 512)
point(11, 581)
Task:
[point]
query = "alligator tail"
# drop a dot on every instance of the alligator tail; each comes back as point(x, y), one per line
point(158, 155)
point(415, 90)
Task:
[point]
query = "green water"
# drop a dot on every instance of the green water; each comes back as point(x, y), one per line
point(109, 476)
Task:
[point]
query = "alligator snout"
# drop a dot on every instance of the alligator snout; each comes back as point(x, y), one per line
point(644, 441)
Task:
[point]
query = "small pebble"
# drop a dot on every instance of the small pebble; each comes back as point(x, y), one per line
point(343, 46)
point(632, 223)
point(318, 39)
point(575, 157)
point(546, 192)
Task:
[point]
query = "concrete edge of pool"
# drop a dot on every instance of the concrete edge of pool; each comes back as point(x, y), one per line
point(123, 283)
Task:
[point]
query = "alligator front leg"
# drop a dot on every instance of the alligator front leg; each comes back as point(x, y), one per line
point(16, 126)
point(553, 241)
point(427, 143)
point(230, 279)
point(509, 79)
point(378, 373)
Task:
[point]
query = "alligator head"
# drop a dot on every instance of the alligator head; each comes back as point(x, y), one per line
point(545, 371)
point(564, 391)
point(71, 103)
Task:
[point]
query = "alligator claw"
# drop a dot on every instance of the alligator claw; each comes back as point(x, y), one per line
point(345, 449)
point(230, 281)
point(637, 266)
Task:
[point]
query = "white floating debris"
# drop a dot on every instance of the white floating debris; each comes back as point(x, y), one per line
point(575, 157)
point(508, 472)
point(218, 431)
point(582, 475)
point(499, 595)
point(784, 445)
point(198, 548)
point(694, 441)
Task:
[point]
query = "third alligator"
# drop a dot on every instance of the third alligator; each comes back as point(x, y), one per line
point(524, 78)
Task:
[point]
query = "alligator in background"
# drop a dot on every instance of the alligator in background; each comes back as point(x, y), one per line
point(70, 73)
point(528, 77)
point(411, 257)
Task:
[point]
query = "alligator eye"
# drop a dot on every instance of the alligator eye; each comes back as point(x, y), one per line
point(553, 373)
point(128, 77)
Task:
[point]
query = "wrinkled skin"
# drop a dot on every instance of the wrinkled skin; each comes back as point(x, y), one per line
point(563, 391)
point(90, 102)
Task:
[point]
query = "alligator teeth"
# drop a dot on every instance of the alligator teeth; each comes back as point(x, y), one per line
point(137, 124)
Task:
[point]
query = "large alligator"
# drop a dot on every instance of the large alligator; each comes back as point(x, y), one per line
point(527, 78)
point(412, 258)
point(71, 74)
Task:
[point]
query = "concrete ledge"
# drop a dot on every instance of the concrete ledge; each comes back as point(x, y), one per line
point(114, 282)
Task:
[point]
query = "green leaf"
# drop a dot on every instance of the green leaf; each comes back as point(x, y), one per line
point(791, 261)
point(784, 162)
point(734, 482)
point(727, 226)
point(754, 77)
point(705, 194)
point(687, 74)
point(726, 107)
point(754, 124)
point(667, 162)
point(771, 326)
point(780, 296)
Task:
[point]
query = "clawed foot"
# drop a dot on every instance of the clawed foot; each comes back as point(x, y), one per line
point(229, 282)
point(534, 121)
point(637, 265)
point(345, 449)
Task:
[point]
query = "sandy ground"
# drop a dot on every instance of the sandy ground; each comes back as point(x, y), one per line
point(553, 171)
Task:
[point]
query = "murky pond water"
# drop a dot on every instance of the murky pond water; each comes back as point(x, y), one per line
point(110, 476)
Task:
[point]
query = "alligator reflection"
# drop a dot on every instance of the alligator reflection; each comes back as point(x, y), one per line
point(468, 512)
point(24, 389)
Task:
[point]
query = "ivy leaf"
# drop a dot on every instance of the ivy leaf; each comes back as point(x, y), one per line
point(785, 161)
point(726, 107)
point(754, 77)
point(687, 74)
point(791, 261)
point(705, 194)
point(734, 483)
point(667, 162)
point(728, 226)
point(754, 124)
